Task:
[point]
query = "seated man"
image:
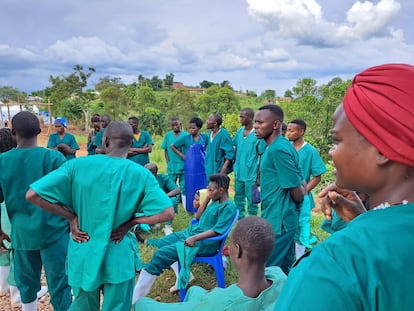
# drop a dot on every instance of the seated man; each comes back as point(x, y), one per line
point(215, 220)
point(258, 287)
point(169, 187)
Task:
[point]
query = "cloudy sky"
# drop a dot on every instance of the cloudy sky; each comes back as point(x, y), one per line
point(254, 44)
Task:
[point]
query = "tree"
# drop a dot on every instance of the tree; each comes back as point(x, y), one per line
point(153, 120)
point(107, 82)
point(145, 98)
point(115, 101)
point(155, 83)
point(206, 84)
point(288, 93)
point(72, 86)
point(269, 95)
point(182, 104)
point(169, 80)
point(217, 99)
point(305, 87)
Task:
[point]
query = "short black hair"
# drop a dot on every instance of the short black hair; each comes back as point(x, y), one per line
point(221, 180)
point(218, 118)
point(249, 112)
point(299, 122)
point(26, 124)
point(255, 235)
point(135, 119)
point(120, 133)
point(175, 119)
point(6, 140)
point(275, 110)
point(197, 121)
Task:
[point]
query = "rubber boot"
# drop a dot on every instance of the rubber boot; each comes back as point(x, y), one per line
point(299, 250)
point(16, 301)
point(43, 290)
point(4, 274)
point(143, 286)
point(31, 306)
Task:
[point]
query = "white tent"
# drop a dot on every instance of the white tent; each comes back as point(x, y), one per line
point(13, 109)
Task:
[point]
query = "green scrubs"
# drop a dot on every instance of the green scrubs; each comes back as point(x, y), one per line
point(279, 172)
point(144, 140)
point(230, 298)
point(310, 164)
point(35, 233)
point(168, 185)
point(124, 190)
point(175, 165)
point(217, 217)
point(245, 171)
point(220, 148)
point(68, 139)
point(91, 147)
point(366, 266)
point(99, 137)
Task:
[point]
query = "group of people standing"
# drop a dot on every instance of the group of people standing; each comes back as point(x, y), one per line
point(57, 216)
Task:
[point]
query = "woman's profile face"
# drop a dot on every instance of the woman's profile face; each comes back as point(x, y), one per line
point(353, 157)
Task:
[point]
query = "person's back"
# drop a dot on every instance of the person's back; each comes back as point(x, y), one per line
point(103, 254)
point(19, 168)
point(38, 237)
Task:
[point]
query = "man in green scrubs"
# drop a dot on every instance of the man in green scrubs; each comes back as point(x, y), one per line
point(220, 151)
point(245, 163)
point(141, 143)
point(312, 168)
point(105, 120)
point(367, 265)
point(39, 238)
point(215, 220)
point(282, 191)
point(103, 256)
point(257, 288)
point(175, 165)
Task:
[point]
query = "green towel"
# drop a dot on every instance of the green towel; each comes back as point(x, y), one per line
point(186, 255)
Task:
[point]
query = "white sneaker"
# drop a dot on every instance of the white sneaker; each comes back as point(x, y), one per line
point(42, 292)
point(174, 288)
point(168, 229)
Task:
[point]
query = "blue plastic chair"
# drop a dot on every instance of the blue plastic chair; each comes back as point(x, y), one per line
point(216, 260)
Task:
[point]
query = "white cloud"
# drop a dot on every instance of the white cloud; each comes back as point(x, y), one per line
point(81, 50)
point(303, 21)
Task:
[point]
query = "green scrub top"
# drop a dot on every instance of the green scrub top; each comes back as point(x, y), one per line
point(311, 164)
point(124, 190)
point(184, 142)
point(67, 139)
point(91, 147)
point(217, 217)
point(166, 183)
point(32, 227)
point(144, 139)
point(99, 137)
point(175, 164)
point(219, 149)
point(368, 265)
point(279, 171)
point(230, 298)
point(246, 157)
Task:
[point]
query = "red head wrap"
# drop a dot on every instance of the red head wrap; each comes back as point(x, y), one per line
point(380, 105)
